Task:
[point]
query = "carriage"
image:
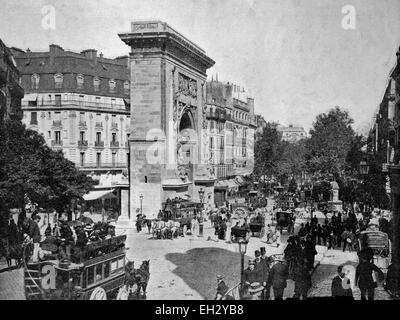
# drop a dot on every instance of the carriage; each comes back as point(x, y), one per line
point(238, 233)
point(257, 226)
point(99, 276)
point(378, 244)
point(284, 220)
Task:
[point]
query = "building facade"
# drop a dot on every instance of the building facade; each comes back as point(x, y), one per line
point(231, 125)
point(79, 102)
point(292, 134)
point(11, 91)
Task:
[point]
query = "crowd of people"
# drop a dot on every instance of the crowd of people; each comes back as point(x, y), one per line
point(65, 240)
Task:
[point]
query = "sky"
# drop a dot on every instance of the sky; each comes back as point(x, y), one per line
point(293, 56)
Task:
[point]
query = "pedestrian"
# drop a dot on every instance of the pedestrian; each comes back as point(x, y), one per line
point(278, 278)
point(347, 238)
point(34, 233)
point(262, 268)
point(222, 288)
point(310, 252)
point(250, 275)
point(341, 286)
point(302, 278)
point(364, 278)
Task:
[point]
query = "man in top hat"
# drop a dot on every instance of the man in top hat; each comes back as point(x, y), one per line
point(265, 273)
point(278, 278)
point(222, 288)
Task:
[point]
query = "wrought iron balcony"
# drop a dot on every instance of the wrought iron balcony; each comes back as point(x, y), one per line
point(55, 143)
point(114, 144)
point(82, 123)
point(99, 144)
point(83, 143)
point(114, 125)
point(99, 125)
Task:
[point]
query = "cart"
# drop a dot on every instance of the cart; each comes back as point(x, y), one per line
point(257, 227)
point(380, 247)
point(284, 220)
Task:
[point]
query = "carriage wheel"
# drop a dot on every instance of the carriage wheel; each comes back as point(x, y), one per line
point(262, 232)
point(122, 293)
point(98, 294)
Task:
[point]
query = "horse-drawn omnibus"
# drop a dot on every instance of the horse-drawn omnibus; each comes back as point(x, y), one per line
point(99, 276)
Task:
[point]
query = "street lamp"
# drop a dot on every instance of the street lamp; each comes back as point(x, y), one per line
point(141, 204)
point(242, 250)
point(201, 226)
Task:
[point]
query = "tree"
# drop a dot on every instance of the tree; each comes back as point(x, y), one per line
point(267, 151)
point(332, 137)
point(292, 160)
point(29, 166)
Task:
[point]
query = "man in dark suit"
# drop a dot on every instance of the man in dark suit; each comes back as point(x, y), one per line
point(251, 275)
point(264, 264)
point(341, 285)
point(278, 278)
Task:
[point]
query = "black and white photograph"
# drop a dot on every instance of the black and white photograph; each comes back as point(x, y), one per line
point(200, 150)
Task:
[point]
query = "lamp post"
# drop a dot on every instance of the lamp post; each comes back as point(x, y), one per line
point(242, 250)
point(141, 204)
point(201, 225)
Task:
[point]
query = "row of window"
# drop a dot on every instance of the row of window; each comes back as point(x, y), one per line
point(80, 79)
point(82, 135)
point(82, 160)
point(82, 117)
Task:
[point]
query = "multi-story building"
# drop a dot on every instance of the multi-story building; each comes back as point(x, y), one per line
point(11, 92)
point(80, 103)
point(231, 127)
point(292, 134)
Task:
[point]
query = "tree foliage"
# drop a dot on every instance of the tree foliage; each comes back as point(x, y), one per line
point(29, 166)
point(332, 138)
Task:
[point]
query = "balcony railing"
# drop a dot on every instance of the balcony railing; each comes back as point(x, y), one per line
point(99, 125)
point(55, 143)
point(57, 123)
point(114, 125)
point(223, 170)
point(34, 122)
point(116, 165)
point(87, 104)
point(99, 144)
point(82, 123)
point(114, 144)
point(83, 143)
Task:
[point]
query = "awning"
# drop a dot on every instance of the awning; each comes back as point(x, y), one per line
point(30, 97)
point(232, 184)
point(221, 184)
point(99, 194)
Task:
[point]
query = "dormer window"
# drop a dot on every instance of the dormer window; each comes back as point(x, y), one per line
point(79, 81)
point(35, 81)
point(58, 80)
point(112, 85)
point(96, 84)
point(126, 87)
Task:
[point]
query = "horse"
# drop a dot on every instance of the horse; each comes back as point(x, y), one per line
point(136, 280)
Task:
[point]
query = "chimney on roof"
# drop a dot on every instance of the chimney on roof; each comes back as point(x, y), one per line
point(91, 54)
point(290, 126)
point(101, 55)
point(54, 50)
point(216, 77)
